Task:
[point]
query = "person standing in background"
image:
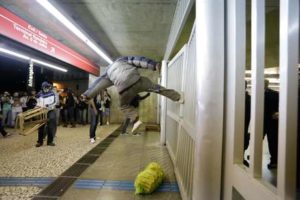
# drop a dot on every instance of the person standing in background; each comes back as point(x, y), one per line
point(106, 106)
point(47, 100)
point(94, 112)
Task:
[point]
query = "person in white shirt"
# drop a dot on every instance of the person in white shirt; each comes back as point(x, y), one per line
point(46, 99)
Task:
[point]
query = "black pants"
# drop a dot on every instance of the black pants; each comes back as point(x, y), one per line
point(49, 128)
point(2, 131)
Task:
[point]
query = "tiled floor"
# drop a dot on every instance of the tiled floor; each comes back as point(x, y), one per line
point(121, 162)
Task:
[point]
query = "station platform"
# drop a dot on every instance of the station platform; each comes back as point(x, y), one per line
point(104, 170)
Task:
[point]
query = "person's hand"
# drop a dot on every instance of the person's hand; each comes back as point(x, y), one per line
point(275, 115)
point(158, 67)
point(84, 98)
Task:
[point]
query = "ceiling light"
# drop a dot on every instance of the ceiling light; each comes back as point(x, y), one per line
point(18, 55)
point(60, 17)
point(49, 65)
point(14, 54)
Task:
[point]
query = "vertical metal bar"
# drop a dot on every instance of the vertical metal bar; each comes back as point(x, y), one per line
point(164, 75)
point(210, 93)
point(289, 36)
point(257, 97)
point(236, 42)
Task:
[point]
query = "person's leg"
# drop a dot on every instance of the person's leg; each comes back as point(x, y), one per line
point(93, 126)
point(72, 117)
point(13, 118)
point(145, 84)
point(57, 111)
point(40, 136)
point(2, 131)
point(125, 125)
point(66, 117)
point(272, 136)
point(101, 117)
point(84, 116)
point(5, 117)
point(51, 127)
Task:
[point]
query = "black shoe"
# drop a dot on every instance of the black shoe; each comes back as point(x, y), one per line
point(272, 166)
point(7, 135)
point(38, 145)
point(51, 144)
point(245, 162)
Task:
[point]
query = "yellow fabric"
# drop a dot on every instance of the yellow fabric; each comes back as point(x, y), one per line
point(149, 179)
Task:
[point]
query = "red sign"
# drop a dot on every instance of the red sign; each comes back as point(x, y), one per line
point(19, 30)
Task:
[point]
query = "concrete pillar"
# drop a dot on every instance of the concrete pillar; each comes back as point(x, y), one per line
point(210, 35)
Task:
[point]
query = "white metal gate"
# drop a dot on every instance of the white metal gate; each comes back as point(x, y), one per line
point(249, 183)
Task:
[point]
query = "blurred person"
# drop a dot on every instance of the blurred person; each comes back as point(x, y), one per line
point(106, 106)
point(82, 111)
point(6, 109)
point(47, 100)
point(23, 101)
point(94, 113)
point(69, 110)
point(124, 75)
point(16, 108)
point(31, 101)
point(2, 131)
point(271, 123)
point(247, 121)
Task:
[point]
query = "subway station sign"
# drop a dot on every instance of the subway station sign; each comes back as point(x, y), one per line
point(19, 30)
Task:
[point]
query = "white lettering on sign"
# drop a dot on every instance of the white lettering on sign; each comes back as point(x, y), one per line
point(35, 36)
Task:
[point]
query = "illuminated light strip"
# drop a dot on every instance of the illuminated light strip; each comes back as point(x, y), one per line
point(24, 57)
point(14, 54)
point(60, 17)
point(49, 65)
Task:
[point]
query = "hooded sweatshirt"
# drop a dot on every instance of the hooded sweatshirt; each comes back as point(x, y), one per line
point(123, 73)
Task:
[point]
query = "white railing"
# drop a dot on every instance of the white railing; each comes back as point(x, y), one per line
point(180, 119)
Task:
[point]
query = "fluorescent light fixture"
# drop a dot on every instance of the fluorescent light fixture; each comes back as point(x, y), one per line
point(18, 55)
point(14, 54)
point(49, 65)
point(60, 17)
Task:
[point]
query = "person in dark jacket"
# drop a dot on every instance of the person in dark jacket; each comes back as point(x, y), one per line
point(135, 103)
point(123, 74)
point(69, 110)
point(94, 109)
point(247, 121)
point(271, 123)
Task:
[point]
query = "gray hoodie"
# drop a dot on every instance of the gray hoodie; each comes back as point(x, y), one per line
point(123, 73)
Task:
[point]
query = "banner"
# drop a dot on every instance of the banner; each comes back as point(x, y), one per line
point(19, 30)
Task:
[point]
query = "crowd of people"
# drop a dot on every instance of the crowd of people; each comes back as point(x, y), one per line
point(69, 108)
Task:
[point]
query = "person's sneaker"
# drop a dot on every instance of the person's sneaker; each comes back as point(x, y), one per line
point(136, 126)
point(181, 100)
point(136, 134)
point(272, 166)
point(7, 135)
point(92, 140)
point(51, 144)
point(107, 123)
point(38, 145)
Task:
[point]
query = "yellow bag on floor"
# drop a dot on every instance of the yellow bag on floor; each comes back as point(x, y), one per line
point(149, 179)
